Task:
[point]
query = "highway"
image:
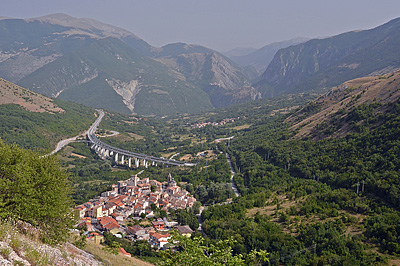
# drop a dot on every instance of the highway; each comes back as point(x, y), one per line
point(94, 140)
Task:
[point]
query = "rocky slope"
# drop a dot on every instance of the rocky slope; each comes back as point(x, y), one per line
point(324, 63)
point(221, 80)
point(19, 245)
point(348, 107)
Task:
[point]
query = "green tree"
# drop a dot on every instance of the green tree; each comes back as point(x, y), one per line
point(195, 252)
point(35, 189)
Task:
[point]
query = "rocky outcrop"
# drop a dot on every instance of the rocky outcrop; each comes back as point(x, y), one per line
point(127, 90)
point(221, 80)
point(20, 245)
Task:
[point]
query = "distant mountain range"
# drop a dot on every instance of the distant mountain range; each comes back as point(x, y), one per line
point(261, 58)
point(324, 63)
point(103, 66)
point(100, 65)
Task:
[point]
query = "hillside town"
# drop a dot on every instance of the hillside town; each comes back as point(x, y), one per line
point(134, 199)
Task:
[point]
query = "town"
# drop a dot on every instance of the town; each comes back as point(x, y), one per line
point(214, 124)
point(134, 199)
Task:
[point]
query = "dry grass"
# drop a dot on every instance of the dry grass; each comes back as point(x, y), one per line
point(111, 259)
point(166, 155)
point(245, 126)
point(123, 138)
point(136, 136)
point(77, 155)
point(31, 101)
point(270, 209)
point(347, 95)
point(186, 157)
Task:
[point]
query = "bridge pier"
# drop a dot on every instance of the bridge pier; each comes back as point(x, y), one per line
point(130, 162)
point(116, 157)
point(102, 153)
point(122, 159)
point(107, 155)
point(145, 163)
point(137, 162)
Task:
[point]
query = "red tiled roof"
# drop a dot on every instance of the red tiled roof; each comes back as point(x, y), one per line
point(123, 252)
point(103, 221)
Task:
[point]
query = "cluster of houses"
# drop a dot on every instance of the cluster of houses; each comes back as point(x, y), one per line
point(135, 198)
point(214, 124)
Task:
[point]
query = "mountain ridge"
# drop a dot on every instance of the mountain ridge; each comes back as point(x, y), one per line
point(70, 54)
point(324, 63)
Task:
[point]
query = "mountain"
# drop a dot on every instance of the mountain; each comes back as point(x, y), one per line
point(324, 63)
point(109, 74)
point(213, 73)
point(103, 66)
point(350, 107)
point(260, 58)
point(239, 52)
point(37, 122)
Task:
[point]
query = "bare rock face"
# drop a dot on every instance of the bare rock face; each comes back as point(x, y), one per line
point(127, 90)
point(19, 245)
point(224, 83)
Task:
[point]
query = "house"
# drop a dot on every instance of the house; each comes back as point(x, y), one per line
point(97, 211)
point(159, 240)
point(184, 230)
point(159, 225)
point(81, 210)
point(95, 237)
point(109, 224)
point(87, 225)
point(138, 232)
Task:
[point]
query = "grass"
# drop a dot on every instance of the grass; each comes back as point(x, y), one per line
point(111, 259)
point(245, 126)
point(5, 252)
point(136, 136)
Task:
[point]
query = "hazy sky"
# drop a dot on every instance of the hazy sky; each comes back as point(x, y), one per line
point(218, 24)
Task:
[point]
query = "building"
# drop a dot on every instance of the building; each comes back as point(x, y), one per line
point(184, 230)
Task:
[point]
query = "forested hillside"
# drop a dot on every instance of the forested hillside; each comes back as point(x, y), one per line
point(318, 201)
point(36, 122)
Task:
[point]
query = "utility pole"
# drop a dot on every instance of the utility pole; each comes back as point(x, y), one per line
point(358, 185)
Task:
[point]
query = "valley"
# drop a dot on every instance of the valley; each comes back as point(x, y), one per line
point(287, 156)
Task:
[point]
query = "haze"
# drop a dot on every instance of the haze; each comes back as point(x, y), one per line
point(218, 24)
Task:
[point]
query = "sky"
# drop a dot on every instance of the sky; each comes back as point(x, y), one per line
point(218, 24)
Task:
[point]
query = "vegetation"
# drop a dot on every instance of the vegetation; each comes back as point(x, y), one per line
point(43, 130)
point(35, 190)
point(195, 251)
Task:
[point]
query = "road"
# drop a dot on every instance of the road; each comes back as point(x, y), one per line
point(61, 144)
point(93, 139)
point(233, 173)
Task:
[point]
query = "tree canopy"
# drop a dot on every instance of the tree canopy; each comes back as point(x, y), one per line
point(34, 189)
